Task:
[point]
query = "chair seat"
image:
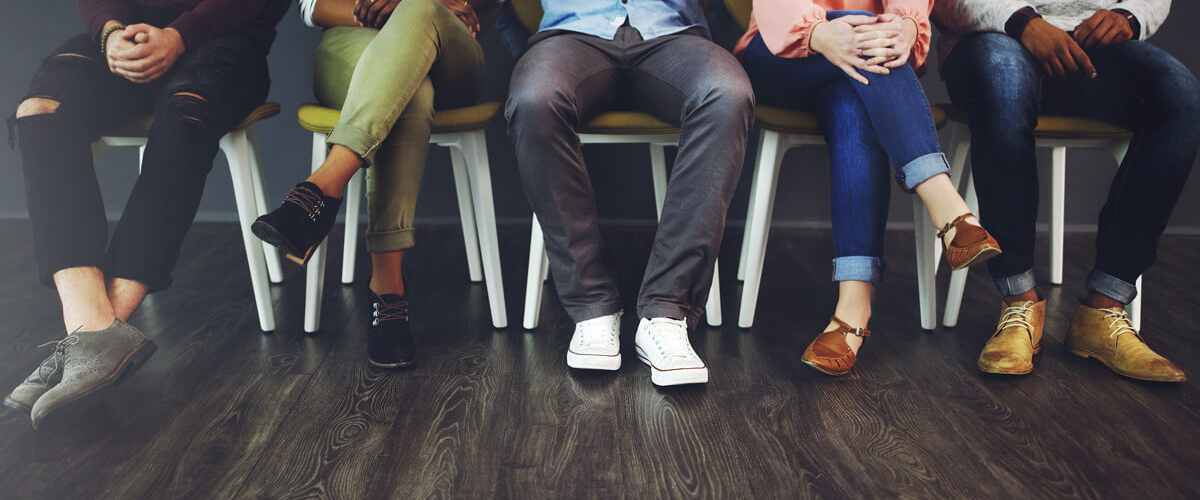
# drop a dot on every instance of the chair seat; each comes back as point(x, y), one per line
point(805, 123)
point(627, 123)
point(320, 119)
point(140, 126)
point(1057, 126)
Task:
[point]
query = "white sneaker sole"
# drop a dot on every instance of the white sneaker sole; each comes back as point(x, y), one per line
point(593, 361)
point(679, 376)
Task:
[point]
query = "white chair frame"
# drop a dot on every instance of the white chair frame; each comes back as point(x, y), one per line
point(1058, 196)
point(772, 146)
point(538, 263)
point(245, 167)
point(473, 183)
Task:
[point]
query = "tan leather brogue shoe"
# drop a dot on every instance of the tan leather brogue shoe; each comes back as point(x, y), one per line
point(1017, 339)
point(1108, 336)
point(829, 353)
point(971, 244)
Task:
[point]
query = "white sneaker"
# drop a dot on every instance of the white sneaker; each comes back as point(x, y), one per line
point(663, 344)
point(596, 344)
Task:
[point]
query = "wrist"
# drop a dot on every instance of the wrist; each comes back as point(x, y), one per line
point(110, 28)
point(1020, 20)
point(1134, 25)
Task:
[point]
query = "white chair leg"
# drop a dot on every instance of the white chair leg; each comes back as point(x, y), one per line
point(658, 171)
point(141, 155)
point(1135, 307)
point(353, 197)
point(534, 277)
point(743, 253)
point(926, 271)
point(766, 178)
point(274, 268)
point(958, 279)
point(314, 276)
point(1058, 194)
point(237, 152)
point(474, 146)
point(466, 211)
point(712, 310)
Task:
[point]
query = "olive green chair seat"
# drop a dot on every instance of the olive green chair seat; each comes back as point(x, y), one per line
point(462, 131)
point(241, 150)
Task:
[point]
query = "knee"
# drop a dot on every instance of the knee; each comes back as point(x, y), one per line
point(729, 98)
point(37, 106)
point(418, 12)
point(187, 108)
point(535, 107)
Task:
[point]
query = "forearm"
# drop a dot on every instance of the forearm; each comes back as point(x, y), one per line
point(330, 13)
point(786, 27)
point(1150, 14)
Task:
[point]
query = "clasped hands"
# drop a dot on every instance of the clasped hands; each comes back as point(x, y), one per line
point(374, 13)
point(142, 53)
point(1060, 53)
point(874, 44)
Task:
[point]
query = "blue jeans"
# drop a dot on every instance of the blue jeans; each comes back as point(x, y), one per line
point(865, 127)
point(1139, 87)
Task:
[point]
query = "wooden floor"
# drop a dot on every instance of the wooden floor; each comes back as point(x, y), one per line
point(224, 411)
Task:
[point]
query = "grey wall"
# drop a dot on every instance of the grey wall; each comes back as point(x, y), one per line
point(621, 173)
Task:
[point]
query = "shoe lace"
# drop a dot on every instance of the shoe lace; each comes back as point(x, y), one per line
point(671, 337)
point(60, 348)
point(1120, 323)
point(1018, 315)
point(389, 311)
point(597, 332)
point(307, 199)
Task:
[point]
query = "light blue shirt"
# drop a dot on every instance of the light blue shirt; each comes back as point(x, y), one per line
point(652, 18)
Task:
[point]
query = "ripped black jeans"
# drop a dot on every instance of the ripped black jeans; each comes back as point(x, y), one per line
point(210, 89)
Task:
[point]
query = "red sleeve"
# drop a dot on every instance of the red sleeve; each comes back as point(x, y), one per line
point(97, 12)
point(215, 17)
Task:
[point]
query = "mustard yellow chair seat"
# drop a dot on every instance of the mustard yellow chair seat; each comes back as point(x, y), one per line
point(140, 126)
point(320, 119)
point(800, 122)
point(1057, 127)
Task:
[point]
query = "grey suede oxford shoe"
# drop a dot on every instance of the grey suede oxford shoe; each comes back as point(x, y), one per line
point(45, 376)
point(92, 361)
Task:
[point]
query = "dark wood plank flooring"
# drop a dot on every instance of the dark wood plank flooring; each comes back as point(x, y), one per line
point(224, 411)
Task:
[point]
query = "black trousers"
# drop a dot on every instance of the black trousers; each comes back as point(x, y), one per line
point(566, 79)
point(228, 73)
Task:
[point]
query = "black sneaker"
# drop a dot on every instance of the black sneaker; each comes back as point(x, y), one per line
point(300, 224)
point(389, 338)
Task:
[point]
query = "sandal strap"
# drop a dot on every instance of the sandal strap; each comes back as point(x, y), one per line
point(846, 328)
point(957, 220)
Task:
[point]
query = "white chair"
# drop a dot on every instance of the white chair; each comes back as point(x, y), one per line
point(785, 129)
point(1057, 133)
point(461, 130)
point(615, 127)
point(240, 147)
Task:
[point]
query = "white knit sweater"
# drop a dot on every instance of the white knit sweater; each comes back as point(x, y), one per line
point(959, 17)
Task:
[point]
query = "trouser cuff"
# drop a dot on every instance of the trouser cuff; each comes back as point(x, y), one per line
point(1111, 286)
point(392, 240)
point(668, 310)
point(355, 139)
point(1015, 284)
point(858, 268)
point(921, 169)
point(581, 314)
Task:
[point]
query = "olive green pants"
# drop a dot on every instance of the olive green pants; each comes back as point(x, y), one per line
point(387, 102)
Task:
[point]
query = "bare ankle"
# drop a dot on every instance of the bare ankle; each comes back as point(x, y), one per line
point(1097, 300)
point(1030, 296)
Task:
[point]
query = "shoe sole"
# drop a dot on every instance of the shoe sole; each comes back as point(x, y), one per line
point(273, 237)
point(982, 255)
point(1037, 349)
point(679, 376)
point(593, 361)
point(52, 416)
point(1088, 354)
point(821, 369)
point(16, 405)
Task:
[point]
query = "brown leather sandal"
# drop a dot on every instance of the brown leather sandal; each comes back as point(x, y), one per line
point(829, 352)
point(971, 245)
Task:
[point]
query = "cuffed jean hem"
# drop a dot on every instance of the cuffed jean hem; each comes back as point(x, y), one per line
point(1111, 286)
point(356, 140)
point(581, 314)
point(668, 310)
point(922, 169)
point(858, 268)
point(392, 240)
point(1015, 284)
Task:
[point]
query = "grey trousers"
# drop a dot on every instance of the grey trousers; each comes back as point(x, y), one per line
point(566, 79)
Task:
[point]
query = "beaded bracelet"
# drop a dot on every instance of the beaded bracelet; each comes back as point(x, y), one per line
point(104, 38)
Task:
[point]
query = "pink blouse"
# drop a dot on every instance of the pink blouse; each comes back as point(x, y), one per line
point(786, 25)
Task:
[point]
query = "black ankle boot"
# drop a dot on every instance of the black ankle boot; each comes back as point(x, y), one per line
point(300, 224)
point(389, 338)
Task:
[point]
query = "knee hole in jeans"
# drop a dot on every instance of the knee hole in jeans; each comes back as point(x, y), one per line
point(71, 54)
point(37, 106)
point(192, 107)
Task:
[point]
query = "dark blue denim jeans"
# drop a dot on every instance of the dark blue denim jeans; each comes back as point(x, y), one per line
point(1139, 86)
point(865, 127)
